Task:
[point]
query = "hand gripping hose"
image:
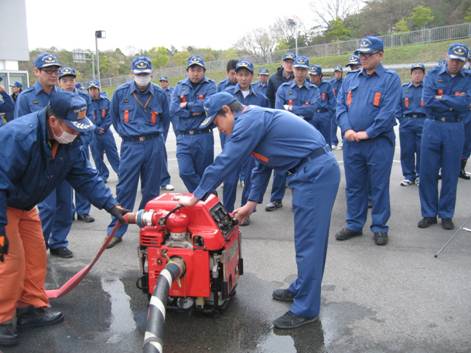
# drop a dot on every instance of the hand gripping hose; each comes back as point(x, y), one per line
point(153, 338)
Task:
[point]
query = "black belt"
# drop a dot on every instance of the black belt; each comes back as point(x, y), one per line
point(415, 116)
point(195, 132)
point(140, 138)
point(322, 110)
point(448, 119)
point(313, 155)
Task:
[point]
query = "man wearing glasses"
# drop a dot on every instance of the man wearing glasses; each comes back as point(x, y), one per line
point(46, 70)
point(366, 108)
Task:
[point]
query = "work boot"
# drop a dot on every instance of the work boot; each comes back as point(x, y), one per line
point(63, 252)
point(406, 182)
point(345, 234)
point(114, 241)
point(283, 295)
point(427, 222)
point(273, 205)
point(380, 238)
point(463, 174)
point(290, 321)
point(85, 218)
point(8, 334)
point(38, 317)
point(447, 224)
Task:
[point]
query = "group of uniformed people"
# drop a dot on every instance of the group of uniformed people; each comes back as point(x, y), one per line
point(283, 125)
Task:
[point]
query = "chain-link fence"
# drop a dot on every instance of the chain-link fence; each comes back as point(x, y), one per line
point(427, 35)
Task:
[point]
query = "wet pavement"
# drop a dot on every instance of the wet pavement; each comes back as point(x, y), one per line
point(389, 299)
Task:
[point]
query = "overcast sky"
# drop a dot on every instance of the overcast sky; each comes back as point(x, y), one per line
point(144, 24)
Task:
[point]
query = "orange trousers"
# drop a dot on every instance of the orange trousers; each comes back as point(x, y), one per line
point(23, 273)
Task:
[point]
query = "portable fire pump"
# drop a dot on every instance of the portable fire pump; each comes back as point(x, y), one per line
point(205, 237)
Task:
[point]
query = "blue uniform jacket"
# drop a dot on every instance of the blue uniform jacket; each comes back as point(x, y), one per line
point(326, 102)
point(147, 116)
point(369, 103)
point(31, 100)
point(253, 98)
point(100, 111)
point(304, 99)
point(193, 114)
point(455, 92)
point(28, 173)
point(224, 84)
point(336, 84)
point(261, 87)
point(411, 100)
point(277, 139)
point(7, 106)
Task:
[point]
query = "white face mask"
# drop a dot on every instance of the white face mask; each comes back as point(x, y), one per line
point(65, 138)
point(142, 80)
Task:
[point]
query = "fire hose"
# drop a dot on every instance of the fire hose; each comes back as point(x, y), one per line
point(153, 338)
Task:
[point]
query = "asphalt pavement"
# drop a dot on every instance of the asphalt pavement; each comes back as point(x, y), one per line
point(397, 298)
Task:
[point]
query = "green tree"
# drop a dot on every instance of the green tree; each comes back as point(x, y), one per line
point(421, 16)
point(337, 30)
point(401, 26)
point(467, 15)
point(159, 56)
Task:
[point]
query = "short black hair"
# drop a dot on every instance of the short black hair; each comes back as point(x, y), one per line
point(231, 65)
point(235, 107)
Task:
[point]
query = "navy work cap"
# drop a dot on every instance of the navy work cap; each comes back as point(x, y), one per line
point(195, 60)
point(141, 65)
point(17, 84)
point(264, 72)
point(354, 60)
point(67, 71)
point(458, 51)
point(244, 64)
point(46, 60)
point(370, 45)
point(213, 104)
point(72, 109)
point(417, 66)
point(301, 62)
point(289, 56)
point(338, 68)
point(163, 78)
point(94, 84)
point(315, 70)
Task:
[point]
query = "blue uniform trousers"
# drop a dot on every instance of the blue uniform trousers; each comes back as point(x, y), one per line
point(442, 146)
point(278, 187)
point(164, 176)
point(315, 187)
point(230, 185)
point(82, 205)
point(138, 160)
point(194, 154)
point(467, 139)
point(56, 216)
point(333, 132)
point(100, 145)
point(323, 123)
point(410, 136)
point(367, 170)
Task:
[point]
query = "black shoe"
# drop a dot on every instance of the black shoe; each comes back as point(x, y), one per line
point(463, 174)
point(62, 252)
point(380, 238)
point(283, 295)
point(114, 242)
point(85, 218)
point(38, 317)
point(8, 335)
point(345, 234)
point(245, 222)
point(290, 321)
point(273, 205)
point(447, 224)
point(427, 222)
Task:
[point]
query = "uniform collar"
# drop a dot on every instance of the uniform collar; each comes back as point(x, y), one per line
point(379, 71)
point(149, 89)
point(444, 69)
point(410, 84)
point(187, 81)
point(237, 89)
point(38, 88)
point(294, 84)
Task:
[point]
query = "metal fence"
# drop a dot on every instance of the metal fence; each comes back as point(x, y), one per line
point(426, 35)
